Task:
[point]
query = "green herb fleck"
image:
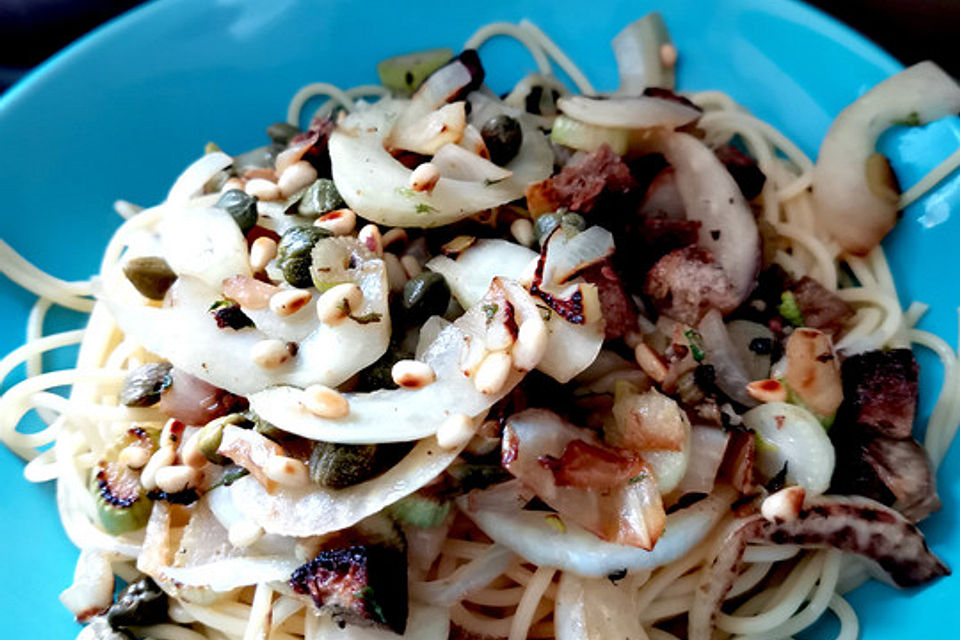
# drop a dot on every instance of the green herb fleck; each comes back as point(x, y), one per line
point(545, 312)
point(789, 309)
point(696, 344)
point(912, 120)
point(406, 192)
point(221, 303)
point(211, 147)
point(638, 478)
point(487, 182)
point(490, 310)
point(424, 208)
point(367, 596)
point(367, 318)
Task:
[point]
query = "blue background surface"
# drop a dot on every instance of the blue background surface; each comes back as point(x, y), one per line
point(120, 113)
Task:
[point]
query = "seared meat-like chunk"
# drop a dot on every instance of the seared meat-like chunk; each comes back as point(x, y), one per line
point(578, 187)
point(821, 308)
point(880, 392)
point(744, 170)
point(619, 313)
point(365, 584)
point(685, 283)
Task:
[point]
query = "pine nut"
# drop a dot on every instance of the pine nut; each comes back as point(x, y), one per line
point(498, 337)
point(262, 251)
point(455, 431)
point(338, 302)
point(289, 301)
point(492, 373)
point(270, 353)
point(295, 177)
point(325, 402)
point(370, 237)
point(396, 276)
point(424, 177)
point(244, 533)
point(522, 231)
point(262, 189)
point(668, 54)
point(411, 266)
point(413, 374)
point(287, 472)
point(397, 234)
point(134, 457)
point(339, 222)
point(172, 433)
point(531, 345)
point(233, 184)
point(190, 452)
point(784, 505)
point(176, 478)
point(767, 391)
point(162, 457)
point(650, 362)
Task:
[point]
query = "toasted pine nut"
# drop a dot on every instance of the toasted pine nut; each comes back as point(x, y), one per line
point(176, 478)
point(339, 222)
point(413, 374)
point(784, 505)
point(531, 344)
point(336, 303)
point(289, 301)
point(370, 236)
point(134, 457)
point(650, 362)
point(162, 457)
point(455, 431)
point(492, 373)
point(295, 177)
point(396, 276)
point(325, 402)
point(233, 184)
point(522, 231)
point(270, 353)
point(244, 533)
point(767, 391)
point(424, 177)
point(498, 337)
point(397, 234)
point(286, 471)
point(262, 189)
point(411, 266)
point(172, 433)
point(262, 251)
point(668, 54)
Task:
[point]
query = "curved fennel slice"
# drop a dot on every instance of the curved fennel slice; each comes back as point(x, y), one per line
point(377, 186)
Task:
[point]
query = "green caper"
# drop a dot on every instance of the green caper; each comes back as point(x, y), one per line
point(141, 603)
point(151, 276)
point(425, 295)
point(282, 132)
point(208, 441)
point(242, 207)
point(293, 253)
point(319, 198)
point(503, 136)
point(260, 158)
point(144, 385)
point(337, 466)
point(544, 225)
point(572, 223)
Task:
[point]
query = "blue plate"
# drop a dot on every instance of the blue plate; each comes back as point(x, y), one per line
point(120, 113)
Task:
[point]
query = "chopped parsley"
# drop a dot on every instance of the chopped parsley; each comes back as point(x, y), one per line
point(490, 311)
point(789, 309)
point(696, 344)
point(424, 208)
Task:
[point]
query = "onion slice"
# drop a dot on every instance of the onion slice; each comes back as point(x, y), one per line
point(642, 112)
point(457, 163)
point(731, 372)
point(595, 609)
point(191, 181)
point(855, 214)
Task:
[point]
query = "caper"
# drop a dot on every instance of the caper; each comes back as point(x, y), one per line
point(242, 207)
point(293, 253)
point(143, 386)
point(260, 158)
point(503, 137)
point(572, 223)
point(337, 466)
point(544, 225)
point(425, 295)
point(151, 276)
point(209, 439)
point(319, 198)
point(282, 132)
point(141, 603)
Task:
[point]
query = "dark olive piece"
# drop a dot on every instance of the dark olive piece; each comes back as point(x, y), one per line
point(260, 158)
point(293, 253)
point(342, 465)
point(573, 223)
point(545, 224)
point(319, 198)
point(242, 207)
point(282, 132)
point(141, 603)
point(425, 295)
point(143, 386)
point(151, 276)
point(503, 137)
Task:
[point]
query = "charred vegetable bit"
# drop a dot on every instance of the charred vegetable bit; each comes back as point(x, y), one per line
point(140, 604)
point(503, 137)
point(143, 386)
point(880, 390)
point(185, 497)
point(744, 170)
point(151, 276)
point(241, 207)
point(293, 253)
point(122, 504)
point(228, 315)
point(363, 584)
